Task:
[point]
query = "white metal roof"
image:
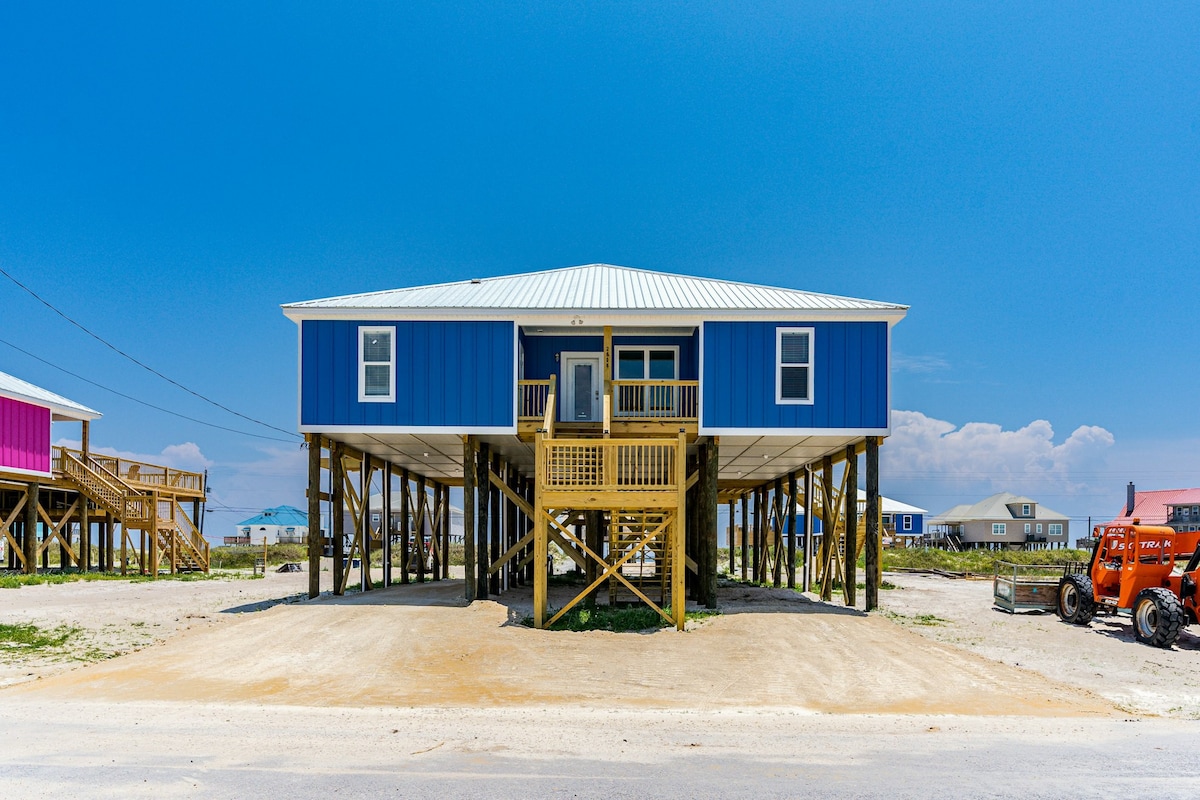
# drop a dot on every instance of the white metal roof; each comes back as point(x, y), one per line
point(995, 508)
point(597, 287)
point(61, 407)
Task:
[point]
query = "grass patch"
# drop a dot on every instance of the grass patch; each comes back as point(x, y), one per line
point(979, 561)
point(17, 580)
point(929, 620)
point(31, 638)
point(620, 619)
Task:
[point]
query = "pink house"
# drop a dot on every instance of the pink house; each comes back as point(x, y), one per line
point(26, 412)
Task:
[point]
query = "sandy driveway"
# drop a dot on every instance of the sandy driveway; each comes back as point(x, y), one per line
point(418, 646)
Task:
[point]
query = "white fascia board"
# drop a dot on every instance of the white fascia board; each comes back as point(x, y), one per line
point(58, 412)
point(455, 430)
point(793, 432)
point(585, 318)
point(33, 473)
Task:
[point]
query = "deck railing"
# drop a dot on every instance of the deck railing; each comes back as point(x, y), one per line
point(655, 400)
point(599, 465)
point(139, 473)
point(531, 400)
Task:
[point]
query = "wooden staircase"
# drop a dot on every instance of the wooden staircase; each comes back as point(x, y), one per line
point(149, 503)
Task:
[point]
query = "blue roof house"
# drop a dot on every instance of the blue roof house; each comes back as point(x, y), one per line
point(597, 412)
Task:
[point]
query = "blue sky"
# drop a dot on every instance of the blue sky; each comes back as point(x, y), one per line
point(1026, 178)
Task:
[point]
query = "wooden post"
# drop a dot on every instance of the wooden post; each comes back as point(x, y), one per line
point(447, 519)
point(481, 531)
point(419, 533)
point(873, 533)
point(509, 572)
point(850, 498)
point(337, 516)
point(495, 520)
point(758, 535)
point(678, 562)
point(155, 555)
point(84, 562)
point(777, 533)
point(435, 525)
point(745, 531)
point(828, 525)
point(385, 521)
point(315, 544)
point(806, 582)
point(29, 535)
point(541, 548)
point(730, 540)
point(406, 524)
point(707, 517)
point(791, 531)
point(469, 516)
point(364, 525)
point(124, 552)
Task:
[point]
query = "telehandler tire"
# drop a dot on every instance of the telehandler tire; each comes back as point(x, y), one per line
point(1076, 602)
point(1158, 616)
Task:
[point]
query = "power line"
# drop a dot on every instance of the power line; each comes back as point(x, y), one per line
point(144, 366)
point(140, 401)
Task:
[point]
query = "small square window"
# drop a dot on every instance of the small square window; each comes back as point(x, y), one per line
point(999, 528)
point(794, 366)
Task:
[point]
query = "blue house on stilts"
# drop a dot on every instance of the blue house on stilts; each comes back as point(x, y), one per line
point(604, 412)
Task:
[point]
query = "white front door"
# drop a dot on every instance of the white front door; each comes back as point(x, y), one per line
point(583, 381)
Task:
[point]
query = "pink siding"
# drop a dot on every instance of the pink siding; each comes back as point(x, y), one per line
point(24, 436)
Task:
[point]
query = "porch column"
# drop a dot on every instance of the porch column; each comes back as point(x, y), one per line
point(828, 526)
point(481, 530)
point(364, 527)
point(874, 574)
point(469, 515)
point(337, 513)
point(851, 500)
point(405, 524)
point(709, 467)
point(791, 526)
point(806, 583)
point(29, 539)
point(745, 538)
point(315, 545)
point(385, 522)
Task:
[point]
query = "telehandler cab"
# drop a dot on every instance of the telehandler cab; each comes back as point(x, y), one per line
point(1133, 571)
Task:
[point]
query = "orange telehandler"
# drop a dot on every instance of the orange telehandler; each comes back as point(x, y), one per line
point(1133, 571)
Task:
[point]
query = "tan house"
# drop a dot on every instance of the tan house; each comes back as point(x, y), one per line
point(1002, 521)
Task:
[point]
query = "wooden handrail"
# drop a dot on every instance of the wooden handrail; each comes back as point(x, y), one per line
point(548, 418)
point(531, 399)
point(129, 472)
point(653, 400)
point(616, 465)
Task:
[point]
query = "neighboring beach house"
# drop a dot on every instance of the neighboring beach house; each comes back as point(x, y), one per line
point(87, 509)
point(1002, 521)
point(1178, 508)
point(279, 525)
point(580, 407)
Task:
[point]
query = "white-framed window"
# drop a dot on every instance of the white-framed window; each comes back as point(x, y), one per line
point(1025, 510)
point(376, 365)
point(646, 363)
point(999, 529)
point(1028, 528)
point(1055, 529)
point(794, 366)
point(1039, 527)
point(887, 519)
point(906, 523)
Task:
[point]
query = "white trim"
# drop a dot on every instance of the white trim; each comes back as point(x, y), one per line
point(808, 400)
point(792, 432)
point(516, 384)
point(33, 472)
point(390, 397)
point(626, 317)
point(416, 429)
point(299, 376)
point(700, 379)
point(1003, 529)
point(906, 522)
point(595, 357)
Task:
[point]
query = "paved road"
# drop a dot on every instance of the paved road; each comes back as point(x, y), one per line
point(163, 750)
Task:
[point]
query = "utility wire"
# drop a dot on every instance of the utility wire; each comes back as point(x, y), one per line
point(144, 366)
point(142, 402)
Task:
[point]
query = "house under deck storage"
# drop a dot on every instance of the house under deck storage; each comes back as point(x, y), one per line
point(605, 412)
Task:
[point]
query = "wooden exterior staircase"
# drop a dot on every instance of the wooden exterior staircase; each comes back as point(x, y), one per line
point(143, 497)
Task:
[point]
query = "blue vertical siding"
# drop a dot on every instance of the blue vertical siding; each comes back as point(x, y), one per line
point(448, 374)
point(849, 381)
point(541, 351)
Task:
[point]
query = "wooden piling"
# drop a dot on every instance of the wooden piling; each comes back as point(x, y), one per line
point(850, 498)
point(828, 527)
point(791, 531)
point(745, 531)
point(315, 543)
point(495, 520)
point(482, 529)
point(337, 516)
point(469, 516)
point(405, 524)
point(709, 466)
point(29, 534)
point(365, 469)
point(872, 555)
point(385, 521)
point(419, 534)
point(806, 582)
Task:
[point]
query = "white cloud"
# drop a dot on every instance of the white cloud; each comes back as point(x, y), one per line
point(936, 459)
point(185, 456)
point(921, 365)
